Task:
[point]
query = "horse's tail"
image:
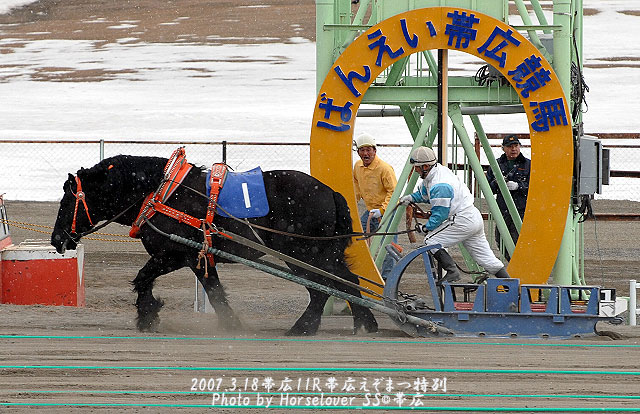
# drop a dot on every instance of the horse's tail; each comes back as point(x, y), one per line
point(344, 225)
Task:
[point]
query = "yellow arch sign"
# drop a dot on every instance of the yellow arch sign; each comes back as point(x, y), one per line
point(509, 52)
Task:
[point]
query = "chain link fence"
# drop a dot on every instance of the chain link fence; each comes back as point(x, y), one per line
point(35, 170)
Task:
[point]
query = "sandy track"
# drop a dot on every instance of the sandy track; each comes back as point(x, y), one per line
point(82, 359)
point(61, 359)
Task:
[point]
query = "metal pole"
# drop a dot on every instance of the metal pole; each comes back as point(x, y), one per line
point(533, 36)
point(224, 152)
point(443, 104)
point(493, 164)
point(458, 124)
point(633, 306)
point(196, 308)
point(101, 149)
point(363, 6)
point(562, 272)
point(540, 15)
point(502, 185)
point(377, 246)
point(433, 65)
point(324, 40)
point(467, 110)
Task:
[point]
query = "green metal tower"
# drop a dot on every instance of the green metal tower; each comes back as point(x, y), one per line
point(431, 100)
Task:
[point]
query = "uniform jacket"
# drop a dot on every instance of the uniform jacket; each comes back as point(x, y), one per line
point(520, 174)
point(446, 194)
point(374, 184)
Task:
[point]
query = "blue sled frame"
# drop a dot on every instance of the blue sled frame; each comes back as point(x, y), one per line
point(499, 308)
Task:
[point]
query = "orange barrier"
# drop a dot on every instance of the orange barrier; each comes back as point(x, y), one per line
point(34, 273)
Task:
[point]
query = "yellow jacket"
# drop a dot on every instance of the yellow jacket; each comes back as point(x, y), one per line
point(374, 184)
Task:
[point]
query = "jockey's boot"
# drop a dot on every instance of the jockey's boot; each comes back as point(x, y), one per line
point(480, 279)
point(502, 274)
point(447, 264)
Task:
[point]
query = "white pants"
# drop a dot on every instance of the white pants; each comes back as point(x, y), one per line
point(466, 227)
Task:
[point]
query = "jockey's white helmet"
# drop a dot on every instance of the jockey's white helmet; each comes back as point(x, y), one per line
point(422, 156)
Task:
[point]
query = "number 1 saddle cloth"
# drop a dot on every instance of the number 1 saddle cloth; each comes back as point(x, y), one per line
point(243, 194)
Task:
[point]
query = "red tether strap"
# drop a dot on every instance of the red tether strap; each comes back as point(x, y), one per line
point(218, 176)
point(175, 171)
point(80, 196)
point(216, 181)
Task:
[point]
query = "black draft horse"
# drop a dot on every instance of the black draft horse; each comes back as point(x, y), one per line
point(298, 204)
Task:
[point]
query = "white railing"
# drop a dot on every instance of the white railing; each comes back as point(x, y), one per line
point(633, 304)
point(33, 170)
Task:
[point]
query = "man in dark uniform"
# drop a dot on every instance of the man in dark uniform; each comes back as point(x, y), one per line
point(515, 169)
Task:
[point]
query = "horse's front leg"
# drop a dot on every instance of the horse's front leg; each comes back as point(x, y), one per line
point(148, 306)
point(217, 297)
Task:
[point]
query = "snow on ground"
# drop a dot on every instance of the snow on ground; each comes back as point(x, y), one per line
point(7, 5)
point(250, 92)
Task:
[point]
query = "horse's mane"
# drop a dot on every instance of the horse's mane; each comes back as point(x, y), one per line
point(130, 170)
point(131, 163)
point(125, 172)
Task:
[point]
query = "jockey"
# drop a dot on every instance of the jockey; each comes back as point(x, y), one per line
point(454, 219)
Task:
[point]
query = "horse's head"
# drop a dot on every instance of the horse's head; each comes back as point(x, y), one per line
point(113, 186)
point(75, 214)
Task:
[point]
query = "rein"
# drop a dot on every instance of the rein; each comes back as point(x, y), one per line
point(176, 163)
point(362, 236)
point(94, 228)
point(82, 197)
point(111, 220)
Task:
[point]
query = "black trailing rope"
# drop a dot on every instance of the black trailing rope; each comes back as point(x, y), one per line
point(579, 86)
point(360, 236)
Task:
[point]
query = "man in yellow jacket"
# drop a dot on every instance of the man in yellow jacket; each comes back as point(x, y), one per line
point(374, 181)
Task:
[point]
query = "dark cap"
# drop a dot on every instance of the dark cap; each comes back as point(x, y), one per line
point(510, 140)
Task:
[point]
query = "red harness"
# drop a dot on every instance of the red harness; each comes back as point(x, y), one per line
point(175, 172)
point(80, 196)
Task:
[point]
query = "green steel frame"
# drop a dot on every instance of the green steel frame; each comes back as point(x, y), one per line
point(412, 85)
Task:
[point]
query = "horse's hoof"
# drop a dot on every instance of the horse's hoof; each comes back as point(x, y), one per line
point(371, 327)
point(148, 324)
